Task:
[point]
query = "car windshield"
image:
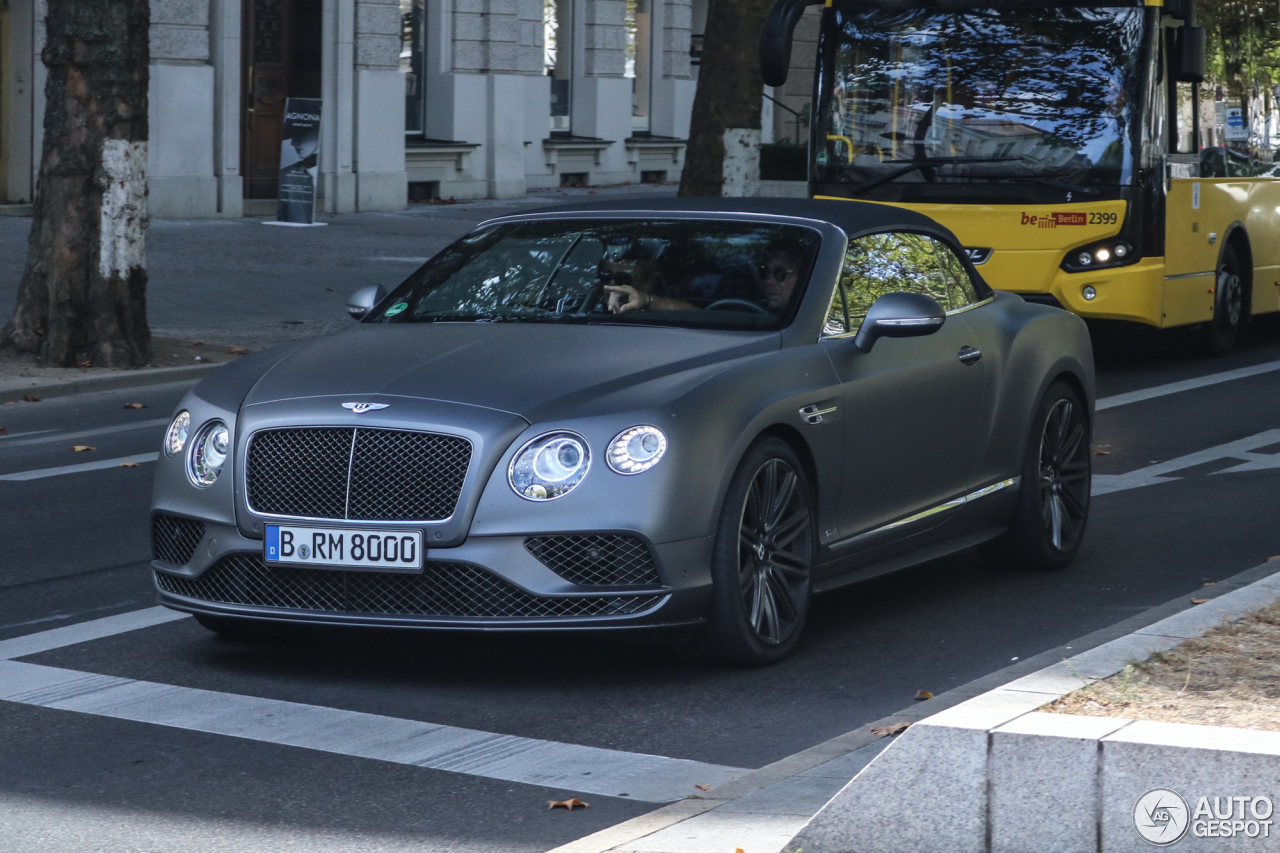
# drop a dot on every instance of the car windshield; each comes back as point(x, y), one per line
point(692, 273)
point(1012, 95)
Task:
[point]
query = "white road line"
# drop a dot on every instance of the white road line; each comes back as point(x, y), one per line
point(41, 473)
point(1185, 385)
point(83, 632)
point(88, 433)
point(1242, 450)
point(564, 766)
point(13, 435)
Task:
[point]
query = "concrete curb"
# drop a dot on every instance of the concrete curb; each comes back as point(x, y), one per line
point(19, 387)
point(994, 774)
point(769, 806)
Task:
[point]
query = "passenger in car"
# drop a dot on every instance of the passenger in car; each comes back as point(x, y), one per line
point(633, 282)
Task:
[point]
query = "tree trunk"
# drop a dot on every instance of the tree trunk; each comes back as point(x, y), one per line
point(723, 157)
point(82, 299)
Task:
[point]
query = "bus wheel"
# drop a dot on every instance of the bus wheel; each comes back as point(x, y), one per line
point(1228, 306)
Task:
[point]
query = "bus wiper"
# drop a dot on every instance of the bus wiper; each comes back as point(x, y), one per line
point(925, 163)
point(1047, 181)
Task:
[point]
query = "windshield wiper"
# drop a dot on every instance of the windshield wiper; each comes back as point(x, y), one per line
point(925, 163)
point(1047, 181)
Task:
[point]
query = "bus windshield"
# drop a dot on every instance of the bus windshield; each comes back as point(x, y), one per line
point(1048, 95)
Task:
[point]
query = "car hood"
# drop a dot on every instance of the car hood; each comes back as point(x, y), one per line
point(531, 370)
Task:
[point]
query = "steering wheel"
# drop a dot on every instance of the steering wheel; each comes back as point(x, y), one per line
point(734, 304)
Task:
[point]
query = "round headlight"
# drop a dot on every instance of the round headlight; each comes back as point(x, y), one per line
point(1121, 250)
point(636, 449)
point(1103, 255)
point(549, 466)
point(175, 438)
point(1085, 259)
point(208, 453)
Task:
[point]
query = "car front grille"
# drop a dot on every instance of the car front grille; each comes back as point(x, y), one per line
point(356, 473)
point(596, 560)
point(174, 539)
point(445, 590)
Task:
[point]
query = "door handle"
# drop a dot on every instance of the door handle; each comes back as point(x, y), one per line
point(969, 355)
point(813, 415)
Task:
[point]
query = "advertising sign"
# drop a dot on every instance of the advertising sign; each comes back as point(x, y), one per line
point(299, 162)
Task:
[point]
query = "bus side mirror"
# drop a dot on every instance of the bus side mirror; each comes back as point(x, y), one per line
point(1191, 46)
point(775, 39)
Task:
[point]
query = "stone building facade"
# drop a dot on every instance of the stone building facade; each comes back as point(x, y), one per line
point(421, 98)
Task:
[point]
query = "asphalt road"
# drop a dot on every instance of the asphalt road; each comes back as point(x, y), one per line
point(76, 548)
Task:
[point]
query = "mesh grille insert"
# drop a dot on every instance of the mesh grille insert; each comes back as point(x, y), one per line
point(451, 590)
point(365, 474)
point(174, 539)
point(596, 560)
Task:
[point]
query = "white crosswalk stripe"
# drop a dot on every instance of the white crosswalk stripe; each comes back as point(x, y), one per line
point(563, 766)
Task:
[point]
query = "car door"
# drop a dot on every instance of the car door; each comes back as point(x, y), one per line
point(913, 406)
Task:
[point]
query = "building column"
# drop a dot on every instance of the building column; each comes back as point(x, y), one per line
point(180, 176)
point(337, 122)
point(381, 181)
point(224, 48)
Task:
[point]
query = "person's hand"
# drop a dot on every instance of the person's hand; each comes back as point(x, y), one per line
point(624, 297)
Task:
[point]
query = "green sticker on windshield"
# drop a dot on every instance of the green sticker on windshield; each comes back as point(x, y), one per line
point(822, 158)
point(396, 309)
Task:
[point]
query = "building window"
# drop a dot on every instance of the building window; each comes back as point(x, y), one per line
point(557, 28)
point(639, 67)
point(413, 19)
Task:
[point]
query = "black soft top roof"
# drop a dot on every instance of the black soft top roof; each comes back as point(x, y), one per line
point(853, 217)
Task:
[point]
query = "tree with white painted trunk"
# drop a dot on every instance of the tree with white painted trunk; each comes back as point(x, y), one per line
point(83, 293)
point(723, 157)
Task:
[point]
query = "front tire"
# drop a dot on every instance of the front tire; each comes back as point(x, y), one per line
point(1048, 525)
point(1229, 308)
point(762, 562)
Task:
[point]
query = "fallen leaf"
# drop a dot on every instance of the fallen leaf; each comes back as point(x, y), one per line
point(1200, 600)
point(30, 398)
point(39, 330)
point(569, 804)
point(923, 694)
point(198, 344)
point(84, 364)
point(128, 464)
point(3, 431)
point(891, 729)
point(80, 448)
point(1210, 583)
point(1102, 453)
point(703, 787)
point(1270, 559)
point(238, 351)
point(135, 405)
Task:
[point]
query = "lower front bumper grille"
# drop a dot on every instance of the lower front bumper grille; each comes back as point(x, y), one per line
point(445, 590)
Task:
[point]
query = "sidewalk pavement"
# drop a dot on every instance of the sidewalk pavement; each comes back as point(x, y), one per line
point(235, 283)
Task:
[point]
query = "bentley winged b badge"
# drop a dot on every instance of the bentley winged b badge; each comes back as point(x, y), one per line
point(361, 408)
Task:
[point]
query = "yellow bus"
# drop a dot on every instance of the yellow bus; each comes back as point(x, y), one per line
point(1072, 147)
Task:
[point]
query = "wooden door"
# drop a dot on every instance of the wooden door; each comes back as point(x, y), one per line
point(265, 79)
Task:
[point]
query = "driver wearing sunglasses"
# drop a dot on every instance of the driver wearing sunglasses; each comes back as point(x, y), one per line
point(778, 276)
point(635, 285)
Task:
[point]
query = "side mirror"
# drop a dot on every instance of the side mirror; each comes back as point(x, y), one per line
point(775, 39)
point(1191, 47)
point(363, 300)
point(899, 315)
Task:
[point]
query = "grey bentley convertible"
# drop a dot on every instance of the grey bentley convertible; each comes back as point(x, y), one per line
point(689, 415)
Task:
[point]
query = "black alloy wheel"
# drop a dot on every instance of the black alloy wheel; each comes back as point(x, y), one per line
point(762, 563)
point(1052, 508)
point(1228, 305)
point(1064, 475)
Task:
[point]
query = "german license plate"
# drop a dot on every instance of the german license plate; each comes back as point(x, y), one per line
point(320, 547)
